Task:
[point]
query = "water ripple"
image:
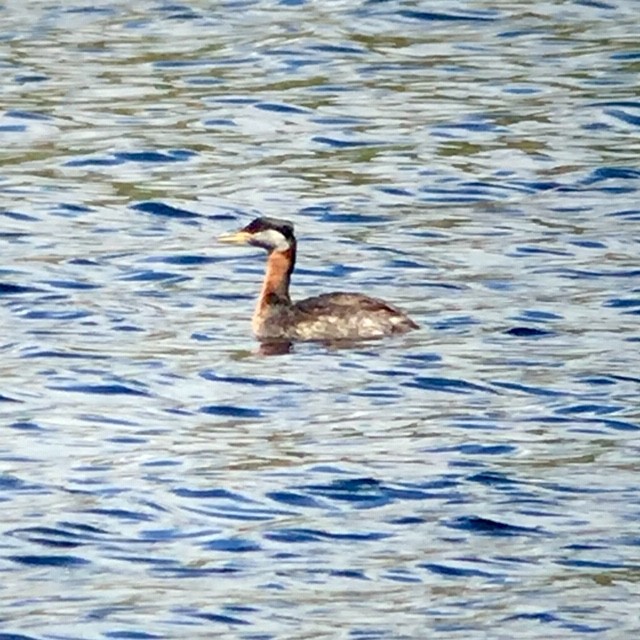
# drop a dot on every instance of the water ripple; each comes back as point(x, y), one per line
point(476, 167)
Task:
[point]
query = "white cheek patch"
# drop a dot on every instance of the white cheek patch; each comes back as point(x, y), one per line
point(271, 239)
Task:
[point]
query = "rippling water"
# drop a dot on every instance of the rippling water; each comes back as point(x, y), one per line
point(475, 163)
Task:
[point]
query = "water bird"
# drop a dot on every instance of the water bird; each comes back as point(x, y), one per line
point(329, 317)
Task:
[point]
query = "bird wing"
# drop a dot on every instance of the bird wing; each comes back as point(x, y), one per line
point(340, 302)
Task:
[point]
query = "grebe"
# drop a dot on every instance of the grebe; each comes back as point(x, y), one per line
point(334, 316)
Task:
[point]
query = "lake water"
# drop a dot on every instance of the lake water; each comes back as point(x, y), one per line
point(474, 163)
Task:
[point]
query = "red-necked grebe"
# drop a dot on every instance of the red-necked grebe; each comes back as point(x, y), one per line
point(330, 316)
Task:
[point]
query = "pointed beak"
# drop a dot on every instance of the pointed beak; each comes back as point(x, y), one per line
point(238, 237)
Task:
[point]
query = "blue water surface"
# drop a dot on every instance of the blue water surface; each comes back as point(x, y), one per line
point(476, 164)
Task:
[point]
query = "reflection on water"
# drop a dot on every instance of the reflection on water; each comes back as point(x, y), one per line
point(476, 165)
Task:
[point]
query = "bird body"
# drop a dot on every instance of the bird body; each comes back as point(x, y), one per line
point(337, 316)
point(330, 316)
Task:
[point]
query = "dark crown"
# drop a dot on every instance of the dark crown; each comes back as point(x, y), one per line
point(262, 224)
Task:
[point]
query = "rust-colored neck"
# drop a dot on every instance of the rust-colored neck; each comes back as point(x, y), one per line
point(275, 287)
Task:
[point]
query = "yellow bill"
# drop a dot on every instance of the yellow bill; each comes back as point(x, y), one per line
point(238, 237)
